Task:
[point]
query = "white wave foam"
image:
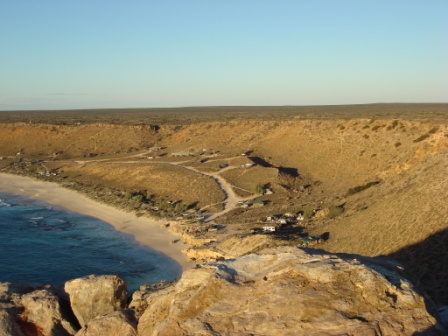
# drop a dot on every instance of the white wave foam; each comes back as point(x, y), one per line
point(3, 203)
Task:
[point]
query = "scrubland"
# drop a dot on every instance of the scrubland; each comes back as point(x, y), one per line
point(384, 166)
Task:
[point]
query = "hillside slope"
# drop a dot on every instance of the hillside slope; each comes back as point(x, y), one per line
point(408, 159)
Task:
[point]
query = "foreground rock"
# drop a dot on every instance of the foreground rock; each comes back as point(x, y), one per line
point(26, 310)
point(119, 323)
point(8, 325)
point(42, 309)
point(96, 295)
point(290, 292)
point(279, 291)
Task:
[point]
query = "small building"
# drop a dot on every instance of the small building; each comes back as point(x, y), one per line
point(269, 228)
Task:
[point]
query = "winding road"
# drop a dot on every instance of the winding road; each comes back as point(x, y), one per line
point(231, 199)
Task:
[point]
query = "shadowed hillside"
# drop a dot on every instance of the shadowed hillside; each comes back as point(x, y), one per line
point(427, 261)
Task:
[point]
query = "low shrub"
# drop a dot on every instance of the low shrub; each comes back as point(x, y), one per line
point(427, 135)
point(259, 189)
point(335, 211)
point(360, 188)
point(393, 125)
point(308, 213)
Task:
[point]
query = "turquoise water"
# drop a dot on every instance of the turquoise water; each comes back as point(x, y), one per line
point(41, 245)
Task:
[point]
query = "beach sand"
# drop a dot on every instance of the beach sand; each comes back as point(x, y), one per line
point(145, 230)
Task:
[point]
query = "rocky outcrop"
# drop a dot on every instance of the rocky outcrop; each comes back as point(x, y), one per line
point(119, 323)
point(8, 325)
point(290, 292)
point(279, 291)
point(96, 295)
point(235, 246)
point(42, 309)
point(26, 310)
point(202, 254)
point(231, 247)
point(139, 301)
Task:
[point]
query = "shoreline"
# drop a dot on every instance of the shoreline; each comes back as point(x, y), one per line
point(145, 230)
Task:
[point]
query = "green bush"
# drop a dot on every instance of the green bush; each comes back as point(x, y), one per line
point(334, 211)
point(137, 198)
point(165, 205)
point(308, 213)
point(180, 207)
point(259, 189)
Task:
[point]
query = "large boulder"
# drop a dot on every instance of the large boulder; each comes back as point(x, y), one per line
point(287, 291)
point(139, 302)
point(42, 309)
point(119, 323)
point(8, 324)
point(10, 308)
point(96, 295)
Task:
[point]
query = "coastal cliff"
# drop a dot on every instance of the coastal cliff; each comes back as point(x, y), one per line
point(279, 291)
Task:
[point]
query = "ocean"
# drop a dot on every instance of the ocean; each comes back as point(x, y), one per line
point(41, 245)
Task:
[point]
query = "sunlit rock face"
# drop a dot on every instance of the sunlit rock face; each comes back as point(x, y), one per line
point(278, 291)
point(96, 295)
point(288, 291)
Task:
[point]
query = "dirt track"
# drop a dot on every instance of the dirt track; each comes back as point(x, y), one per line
point(231, 199)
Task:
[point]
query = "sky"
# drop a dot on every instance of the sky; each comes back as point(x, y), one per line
point(172, 53)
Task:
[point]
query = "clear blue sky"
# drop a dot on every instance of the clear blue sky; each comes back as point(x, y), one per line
point(66, 54)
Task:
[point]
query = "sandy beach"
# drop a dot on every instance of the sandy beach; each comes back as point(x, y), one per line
point(146, 231)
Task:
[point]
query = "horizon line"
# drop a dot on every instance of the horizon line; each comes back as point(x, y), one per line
point(218, 106)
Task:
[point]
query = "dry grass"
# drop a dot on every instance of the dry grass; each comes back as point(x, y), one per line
point(246, 179)
point(335, 149)
point(163, 180)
